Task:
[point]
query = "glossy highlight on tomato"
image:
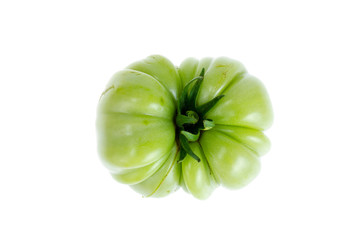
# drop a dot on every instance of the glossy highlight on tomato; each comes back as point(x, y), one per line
point(198, 125)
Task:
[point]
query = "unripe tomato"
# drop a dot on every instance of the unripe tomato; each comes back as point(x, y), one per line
point(198, 125)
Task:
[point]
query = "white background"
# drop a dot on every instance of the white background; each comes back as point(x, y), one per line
point(56, 57)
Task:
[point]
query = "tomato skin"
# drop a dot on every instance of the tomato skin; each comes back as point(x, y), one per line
point(130, 116)
point(197, 176)
point(137, 133)
point(163, 182)
point(233, 164)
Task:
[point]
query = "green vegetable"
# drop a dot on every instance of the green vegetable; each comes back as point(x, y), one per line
point(198, 125)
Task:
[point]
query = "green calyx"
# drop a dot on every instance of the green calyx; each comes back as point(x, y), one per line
point(190, 119)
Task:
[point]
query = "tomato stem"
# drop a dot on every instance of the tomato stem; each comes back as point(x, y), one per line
point(190, 119)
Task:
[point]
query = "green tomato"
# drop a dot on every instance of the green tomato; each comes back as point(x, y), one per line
point(198, 126)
